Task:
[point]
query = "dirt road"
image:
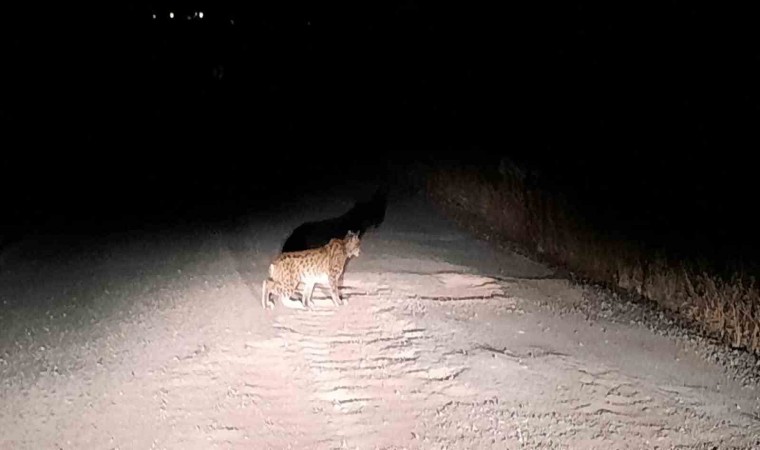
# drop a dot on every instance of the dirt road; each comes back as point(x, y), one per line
point(158, 340)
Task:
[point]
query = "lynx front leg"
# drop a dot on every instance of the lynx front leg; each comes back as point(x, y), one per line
point(334, 290)
point(307, 293)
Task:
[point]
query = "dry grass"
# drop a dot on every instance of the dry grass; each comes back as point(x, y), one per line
point(547, 226)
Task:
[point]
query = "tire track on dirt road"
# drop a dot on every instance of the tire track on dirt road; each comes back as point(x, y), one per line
point(370, 373)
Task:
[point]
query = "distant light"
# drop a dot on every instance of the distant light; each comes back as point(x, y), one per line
point(154, 17)
point(308, 23)
point(171, 15)
point(232, 21)
point(200, 14)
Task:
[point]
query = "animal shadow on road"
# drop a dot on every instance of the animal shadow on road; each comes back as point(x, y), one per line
point(364, 215)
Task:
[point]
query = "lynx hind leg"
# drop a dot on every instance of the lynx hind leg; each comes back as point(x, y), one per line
point(285, 292)
point(265, 294)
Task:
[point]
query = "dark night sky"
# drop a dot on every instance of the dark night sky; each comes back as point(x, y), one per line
point(625, 102)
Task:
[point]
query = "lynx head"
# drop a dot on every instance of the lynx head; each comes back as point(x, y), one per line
point(352, 244)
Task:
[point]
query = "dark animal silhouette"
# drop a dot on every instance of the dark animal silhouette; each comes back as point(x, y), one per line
point(364, 215)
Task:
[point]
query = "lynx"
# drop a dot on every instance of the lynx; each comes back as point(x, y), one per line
point(323, 265)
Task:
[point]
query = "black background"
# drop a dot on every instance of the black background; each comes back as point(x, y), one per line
point(645, 113)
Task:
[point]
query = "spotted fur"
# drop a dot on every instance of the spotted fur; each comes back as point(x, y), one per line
point(323, 265)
